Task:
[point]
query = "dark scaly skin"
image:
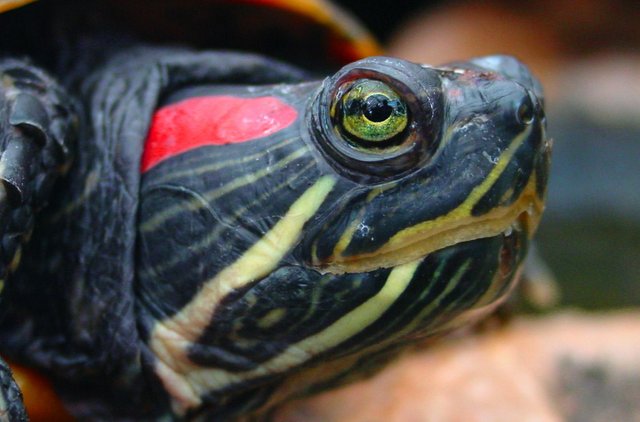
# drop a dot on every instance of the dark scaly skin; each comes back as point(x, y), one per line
point(91, 308)
point(102, 304)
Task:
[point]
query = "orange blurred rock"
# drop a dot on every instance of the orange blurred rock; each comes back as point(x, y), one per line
point(583, 367)
point(42, 403)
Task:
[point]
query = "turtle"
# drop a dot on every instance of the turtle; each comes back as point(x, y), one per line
point(199, 234)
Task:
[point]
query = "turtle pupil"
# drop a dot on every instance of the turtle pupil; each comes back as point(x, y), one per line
point(376, 108)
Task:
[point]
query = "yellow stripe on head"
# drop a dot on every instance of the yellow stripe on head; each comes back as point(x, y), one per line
point(172, 338)
point(204, 380)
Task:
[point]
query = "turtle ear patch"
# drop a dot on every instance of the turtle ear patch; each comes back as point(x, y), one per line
point(212, 120)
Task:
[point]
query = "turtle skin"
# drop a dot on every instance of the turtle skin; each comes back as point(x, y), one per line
point(85, 334)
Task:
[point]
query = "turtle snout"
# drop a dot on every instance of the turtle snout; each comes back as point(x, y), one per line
point(513, 69)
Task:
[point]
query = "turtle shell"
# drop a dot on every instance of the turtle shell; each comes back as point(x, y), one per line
point(316, 34)
point(295, 30)
point(12, 4)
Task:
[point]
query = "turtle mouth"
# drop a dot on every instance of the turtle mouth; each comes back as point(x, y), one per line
point(417, 242)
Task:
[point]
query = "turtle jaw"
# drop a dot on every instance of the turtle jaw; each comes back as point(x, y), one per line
point(421, 240)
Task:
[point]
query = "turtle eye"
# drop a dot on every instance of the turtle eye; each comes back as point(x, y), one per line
point(378, 119)
point(369, 114)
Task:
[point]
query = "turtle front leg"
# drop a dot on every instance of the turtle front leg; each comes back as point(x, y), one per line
point(37, 129)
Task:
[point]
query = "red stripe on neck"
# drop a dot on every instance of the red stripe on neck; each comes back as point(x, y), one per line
point(216, 120)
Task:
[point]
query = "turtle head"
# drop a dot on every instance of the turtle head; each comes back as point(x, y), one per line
point(433, 183)
point(397, 205)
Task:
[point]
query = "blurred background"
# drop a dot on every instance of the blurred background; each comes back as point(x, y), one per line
point(587, 55)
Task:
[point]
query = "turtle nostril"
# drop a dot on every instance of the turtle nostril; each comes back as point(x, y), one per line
point(526, 111)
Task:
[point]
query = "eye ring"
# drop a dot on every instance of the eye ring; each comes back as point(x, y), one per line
point(378, 161)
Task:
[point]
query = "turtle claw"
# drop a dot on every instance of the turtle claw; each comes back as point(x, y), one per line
point(37, 129)
point(29, 114)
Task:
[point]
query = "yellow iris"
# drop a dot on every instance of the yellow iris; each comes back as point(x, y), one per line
point(373, 112)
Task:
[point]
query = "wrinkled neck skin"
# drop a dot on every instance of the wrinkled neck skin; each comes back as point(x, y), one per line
point(221, 279)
